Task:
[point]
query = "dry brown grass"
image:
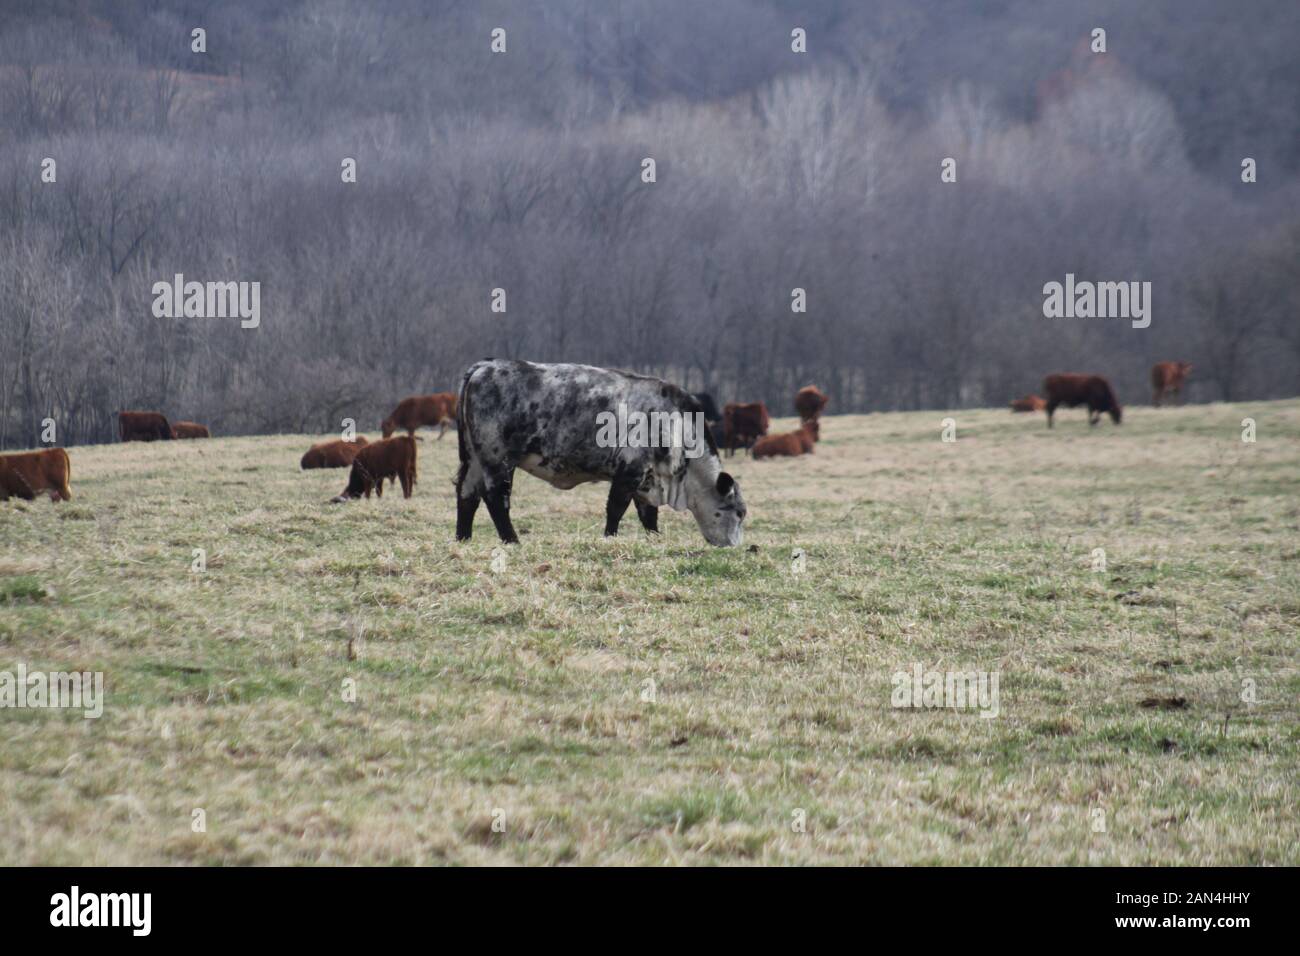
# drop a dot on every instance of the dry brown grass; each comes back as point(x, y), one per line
point(521, 691)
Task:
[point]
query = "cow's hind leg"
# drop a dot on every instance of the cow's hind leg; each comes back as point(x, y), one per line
point(649, 516)
point(1051, 410)
point(469, 492)
point(496, 495)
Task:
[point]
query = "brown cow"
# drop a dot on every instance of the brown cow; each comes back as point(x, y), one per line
point(143, 426)
point(1167, 378)
point(190, 430)
point(38, 471)
point(411, 413)
point(791, 443)
point(333, 454)
point(391, 458)
point(743, 424)
point(809, 402)
point(1030, 403)
point(1073, 389)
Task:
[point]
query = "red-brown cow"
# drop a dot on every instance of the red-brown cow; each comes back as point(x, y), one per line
point(411, 413)
point(809, 402)
point(391, 458)
point(1030, 403)
point(190, 430)
point(143, 426)
point(790, 443)
point(1073, 389)
point(37, 471)
point(1168, 378)
point(333, 454)
point(743, 424)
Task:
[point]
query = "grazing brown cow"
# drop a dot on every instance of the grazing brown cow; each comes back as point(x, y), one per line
point(190, 430)
point(47, 470)
point(143, 426)
point(1073, 389)
point(411, 413)
point(1030, 403)
point(1168, 378)
point(743, 424)
point(391, 458)
point(790, 443)
point(333, 454)
point(809, 402)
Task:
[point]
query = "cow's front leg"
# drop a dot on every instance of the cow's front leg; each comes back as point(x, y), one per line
point(620, 496)
point(649, 515)
point(497, 498)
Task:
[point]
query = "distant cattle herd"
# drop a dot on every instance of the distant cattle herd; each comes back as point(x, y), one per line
point(539, 418)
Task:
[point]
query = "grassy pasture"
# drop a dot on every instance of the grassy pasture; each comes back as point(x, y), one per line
point(518, 694)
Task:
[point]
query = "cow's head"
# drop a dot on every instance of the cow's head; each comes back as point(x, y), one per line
point(387, 426)
point(1184, 368)
point(718, 507)
point(1116, 413)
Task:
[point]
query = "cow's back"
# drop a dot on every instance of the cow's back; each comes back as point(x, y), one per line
point(547, 419)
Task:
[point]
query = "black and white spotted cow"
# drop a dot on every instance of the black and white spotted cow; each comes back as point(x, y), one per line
point(552, 421)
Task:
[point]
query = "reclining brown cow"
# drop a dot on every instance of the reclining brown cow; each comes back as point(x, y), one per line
point(411, 413)
point(391, 458)
point(333, 454)
point(1030, 403)
point(190, 430)
point(27, 474)
point(143, 426)
point(792, 444)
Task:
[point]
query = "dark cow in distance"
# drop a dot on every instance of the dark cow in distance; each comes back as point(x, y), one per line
point(418, 410)
point(190, 430)
point(809, 402)
point(333, 454)
point(570, 424)
point(1073, 389)
point(143, 426)
point(27, 474)
point(391, 458)
point(1029, 403)
point(1168, 378)
point(708, 406)
point(792, 444)
point(743, 424)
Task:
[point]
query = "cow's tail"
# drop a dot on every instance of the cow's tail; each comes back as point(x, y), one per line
point(462, 411)
point(64, 490)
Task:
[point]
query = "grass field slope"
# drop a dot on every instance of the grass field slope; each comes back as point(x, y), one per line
point(347, 684)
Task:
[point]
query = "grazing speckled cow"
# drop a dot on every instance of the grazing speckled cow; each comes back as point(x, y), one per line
point(557, 422)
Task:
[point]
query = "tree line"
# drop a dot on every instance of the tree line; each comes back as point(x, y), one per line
point(525, 173)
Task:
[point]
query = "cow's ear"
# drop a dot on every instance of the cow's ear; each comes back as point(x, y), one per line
point(725, 483)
